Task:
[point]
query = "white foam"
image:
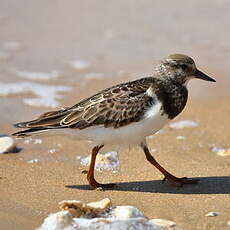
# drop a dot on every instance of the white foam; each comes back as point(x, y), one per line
point(52, 151)
point(27, 141)
point(64, 220)
point(46, 95)
point(127, 212)
point(40, 76)
point(33, 161)
point(37, 141)
point(107, 161)
point(80, 65)
point(180, 137)
point(183, 124)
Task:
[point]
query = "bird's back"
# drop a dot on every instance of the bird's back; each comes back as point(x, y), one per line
point(114, 107)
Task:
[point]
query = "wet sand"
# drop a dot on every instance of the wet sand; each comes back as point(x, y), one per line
point(30, 191)
point(122, 44)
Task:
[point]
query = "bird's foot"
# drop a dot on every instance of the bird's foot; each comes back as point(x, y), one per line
point(99, 186)
point(94, 184)
point(104, 186)
point(175, 181)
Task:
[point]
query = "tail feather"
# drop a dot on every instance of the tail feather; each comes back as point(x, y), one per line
point(46, 120)
point(28, 132)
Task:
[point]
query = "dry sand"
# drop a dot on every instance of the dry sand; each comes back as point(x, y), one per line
point(114, 37)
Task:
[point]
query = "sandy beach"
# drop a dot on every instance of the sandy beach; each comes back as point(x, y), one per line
point(113, 42)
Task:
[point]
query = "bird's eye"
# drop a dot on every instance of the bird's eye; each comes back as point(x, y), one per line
point(184, 67)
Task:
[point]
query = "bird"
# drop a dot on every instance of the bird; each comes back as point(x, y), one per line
point(125, 113)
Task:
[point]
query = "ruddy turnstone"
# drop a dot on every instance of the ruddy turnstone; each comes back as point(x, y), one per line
point(126, 113)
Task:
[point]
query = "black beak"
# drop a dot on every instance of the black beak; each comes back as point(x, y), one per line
point(200, 75)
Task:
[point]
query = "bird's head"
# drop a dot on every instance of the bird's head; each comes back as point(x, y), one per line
point(181, 68)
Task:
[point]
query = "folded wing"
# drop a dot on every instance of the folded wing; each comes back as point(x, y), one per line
point(113, 107)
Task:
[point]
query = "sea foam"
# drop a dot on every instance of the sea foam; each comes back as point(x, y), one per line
point(76, 215)
point(108, 161)
point(45, 95)
point(38, 76)
point(183, 124)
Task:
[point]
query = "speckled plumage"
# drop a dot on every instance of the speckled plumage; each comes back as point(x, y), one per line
point(117, 106)
point(126, 113)
point(125, 103)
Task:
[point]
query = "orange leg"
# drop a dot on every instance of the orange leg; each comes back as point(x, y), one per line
point(168, 176)
point(90, 174)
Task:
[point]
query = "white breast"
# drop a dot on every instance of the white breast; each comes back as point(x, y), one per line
point(131, 134)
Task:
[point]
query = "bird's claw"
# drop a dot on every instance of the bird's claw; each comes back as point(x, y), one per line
point(102, 187)
point(175, 181)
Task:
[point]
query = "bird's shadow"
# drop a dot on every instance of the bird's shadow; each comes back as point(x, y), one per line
point(206, 185)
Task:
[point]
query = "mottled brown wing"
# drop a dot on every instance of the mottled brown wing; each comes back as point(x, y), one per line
point(113, 107)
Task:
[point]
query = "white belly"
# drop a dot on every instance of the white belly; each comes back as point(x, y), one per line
point(134, 133)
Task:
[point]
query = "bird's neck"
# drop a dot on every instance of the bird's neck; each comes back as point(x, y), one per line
point(167, 73)
point(173, 96)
